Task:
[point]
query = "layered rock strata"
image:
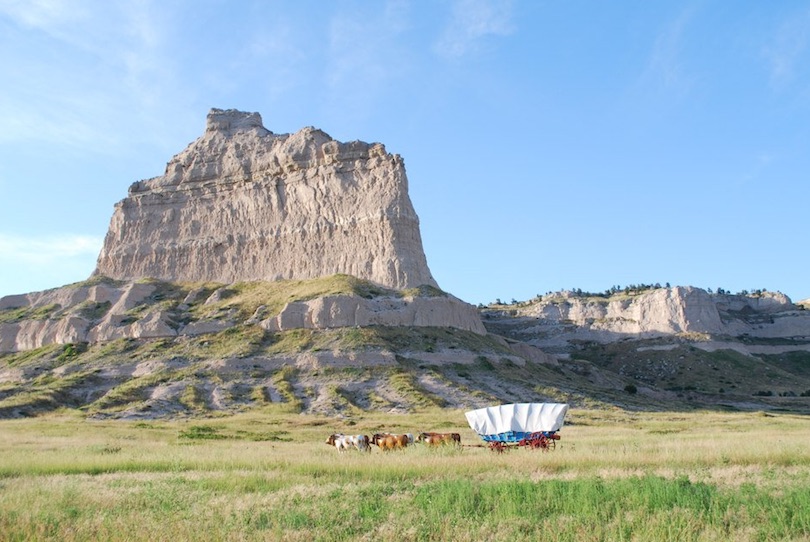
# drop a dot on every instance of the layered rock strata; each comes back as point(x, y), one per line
point(350, 311)
point(105, 312)
point(558, 320)
point(242, 203)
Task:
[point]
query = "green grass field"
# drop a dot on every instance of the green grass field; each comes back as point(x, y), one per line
point(268, 475)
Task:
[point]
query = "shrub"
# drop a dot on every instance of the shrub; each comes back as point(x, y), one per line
point(631, 389)
point(201, 432)
point(71, 351)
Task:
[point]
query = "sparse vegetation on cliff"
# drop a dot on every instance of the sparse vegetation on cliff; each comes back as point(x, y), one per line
point(192, 372)
point(156, 377)
point(18, 314)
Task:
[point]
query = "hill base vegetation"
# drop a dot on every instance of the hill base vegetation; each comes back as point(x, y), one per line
point(385, 368)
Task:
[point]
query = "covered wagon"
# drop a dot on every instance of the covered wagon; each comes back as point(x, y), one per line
point(534, 425)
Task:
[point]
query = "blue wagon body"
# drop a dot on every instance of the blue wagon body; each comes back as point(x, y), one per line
point(516, 436)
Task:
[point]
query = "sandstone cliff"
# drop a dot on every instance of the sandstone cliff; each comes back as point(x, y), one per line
point(242, 203)
point(247, 210)
point(555, 320)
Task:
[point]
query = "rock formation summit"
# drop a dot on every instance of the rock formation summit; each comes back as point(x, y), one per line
point(242, 203)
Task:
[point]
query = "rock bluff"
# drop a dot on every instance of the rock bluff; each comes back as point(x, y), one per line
point(139, 310)
point(558, 321)
point(242, 203)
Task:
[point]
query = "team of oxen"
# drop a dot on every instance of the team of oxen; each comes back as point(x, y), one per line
point(389, 441)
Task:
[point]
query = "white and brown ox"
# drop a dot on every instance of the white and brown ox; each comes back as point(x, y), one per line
point(345, 442)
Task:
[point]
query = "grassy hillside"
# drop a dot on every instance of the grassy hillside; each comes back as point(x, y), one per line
point(246, 367)
point(768, 368)
point(207, 301)
point(692, 372)
point(343, 370)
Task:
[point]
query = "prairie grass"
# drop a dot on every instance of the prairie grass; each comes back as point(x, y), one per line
point(268, 475)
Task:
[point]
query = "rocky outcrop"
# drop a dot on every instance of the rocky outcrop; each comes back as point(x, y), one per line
point(242, 203)
point(140, 310)
point(665, 310)
point(74, 314)
point(557, 321)
point(344, 311)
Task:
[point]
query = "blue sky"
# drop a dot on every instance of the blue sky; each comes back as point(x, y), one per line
point(549, 145)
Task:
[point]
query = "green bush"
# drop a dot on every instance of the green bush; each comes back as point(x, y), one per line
point(631, 389)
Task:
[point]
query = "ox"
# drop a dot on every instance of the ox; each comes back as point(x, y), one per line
point(387, 441)
point(437, 439)
point(344, 442)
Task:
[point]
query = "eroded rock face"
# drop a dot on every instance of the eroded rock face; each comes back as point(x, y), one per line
point(242, 203)
point(350, 311)
point(74, 314)
point(665, 310)
point(134, 310)
point(558, 321)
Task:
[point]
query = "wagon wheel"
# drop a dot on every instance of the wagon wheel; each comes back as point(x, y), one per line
point(528, 440)
point(540, 442)
point(497, 447)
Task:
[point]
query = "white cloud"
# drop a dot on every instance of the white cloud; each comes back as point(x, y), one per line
point(472, 21)
point(47, 250)
point(665, 67)
point(49, 16)
point(30, 264)
point(76, 69)
point(788, 48)
point(365, 52)
point(275, 46)
point(757, 168)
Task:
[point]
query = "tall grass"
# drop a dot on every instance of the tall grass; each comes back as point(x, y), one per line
point(647, 507)
point(269, 476)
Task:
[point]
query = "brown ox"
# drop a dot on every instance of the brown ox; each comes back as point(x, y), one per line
point(387, 441)
point(437, 439)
